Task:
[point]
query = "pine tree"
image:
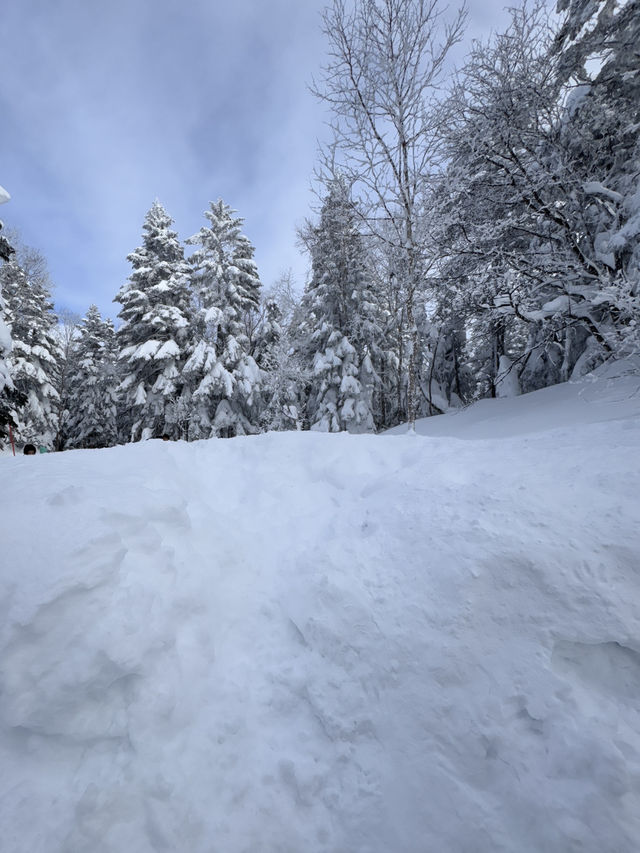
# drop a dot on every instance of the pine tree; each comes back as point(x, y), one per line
point(66, 333)
point(93, 385)
point(339, 328)
point(382, 85)
point(6, 383)
point(267, 335)
point(8, 398)
point(153, 334)
point(284, 375)
point(34, 359)
point(222, 377)
point(6, 249)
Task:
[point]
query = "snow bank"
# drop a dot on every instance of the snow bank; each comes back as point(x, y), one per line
point(306, 642)
point(608, 394)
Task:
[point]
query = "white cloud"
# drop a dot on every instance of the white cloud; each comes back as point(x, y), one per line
point(106, 106)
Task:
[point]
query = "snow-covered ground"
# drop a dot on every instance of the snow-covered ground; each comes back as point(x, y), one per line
point(306, 643)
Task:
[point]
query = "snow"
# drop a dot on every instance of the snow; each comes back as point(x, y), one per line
point(4, 196)
point(507, 384)
point(326, 643)
point(213, 315)
point(5, 335)
point(562, 303)
point(169, 349)
point(596, 188)
point(611, 394)
point(145, 352)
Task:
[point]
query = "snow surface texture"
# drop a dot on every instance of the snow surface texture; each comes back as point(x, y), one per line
point(303, 642)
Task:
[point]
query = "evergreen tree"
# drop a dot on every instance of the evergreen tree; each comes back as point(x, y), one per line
point(34, 361)
point(154, 331)
point(283, 373)
point(223, 381)
point(6, 249)
point(8, 398)
point(93, 385)
point(382, 85)
point(283, 384)
point(268, 335)
point(67, 333)
point(340, 327)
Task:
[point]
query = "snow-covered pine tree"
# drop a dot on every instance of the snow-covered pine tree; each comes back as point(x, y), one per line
point(222, 378)
point(8, 400)
point(92, 389)
point(339, 320)
point(283, 374)
point(153, 334)
point(67, 332)
point(6, 249)
point(268, 334)
point(34, 359)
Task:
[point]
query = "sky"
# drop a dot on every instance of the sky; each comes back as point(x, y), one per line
point(106, 106)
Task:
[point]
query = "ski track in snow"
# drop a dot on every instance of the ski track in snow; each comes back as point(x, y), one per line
point(330, 644)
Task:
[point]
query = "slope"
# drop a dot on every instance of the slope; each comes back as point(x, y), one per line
point(330, 644)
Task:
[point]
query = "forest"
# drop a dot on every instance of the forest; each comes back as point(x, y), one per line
point(476, 235)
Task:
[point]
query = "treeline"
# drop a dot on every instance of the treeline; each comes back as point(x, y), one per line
point(478, 235)
point(184, 361)
point(500, 205)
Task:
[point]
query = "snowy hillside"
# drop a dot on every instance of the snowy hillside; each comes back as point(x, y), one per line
point(311, 643)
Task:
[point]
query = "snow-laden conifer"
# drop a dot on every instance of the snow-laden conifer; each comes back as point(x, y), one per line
point(154, 330)
point(284, 374)
point(222, 378)
point(6, 383)
point(337, 332)
point(7, 388)
point(34, 359)
point(92, 390)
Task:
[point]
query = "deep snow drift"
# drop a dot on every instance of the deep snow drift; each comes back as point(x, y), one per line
point(306, 643)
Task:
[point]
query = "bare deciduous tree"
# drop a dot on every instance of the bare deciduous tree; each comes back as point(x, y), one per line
point(386, 61)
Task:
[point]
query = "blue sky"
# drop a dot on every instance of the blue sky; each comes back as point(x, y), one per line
point(105, 106)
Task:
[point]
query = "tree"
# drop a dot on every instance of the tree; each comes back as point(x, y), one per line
point(597, 53)
point(339, 327)
point(67, 333)
point(283, 373)
point(8, 395)
point(222, 393)
point(34, 360)
point(600, 33)
point(6, 249)
point(153, 335)
point(536, 209)
point(92, 391)
point(386, 59)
